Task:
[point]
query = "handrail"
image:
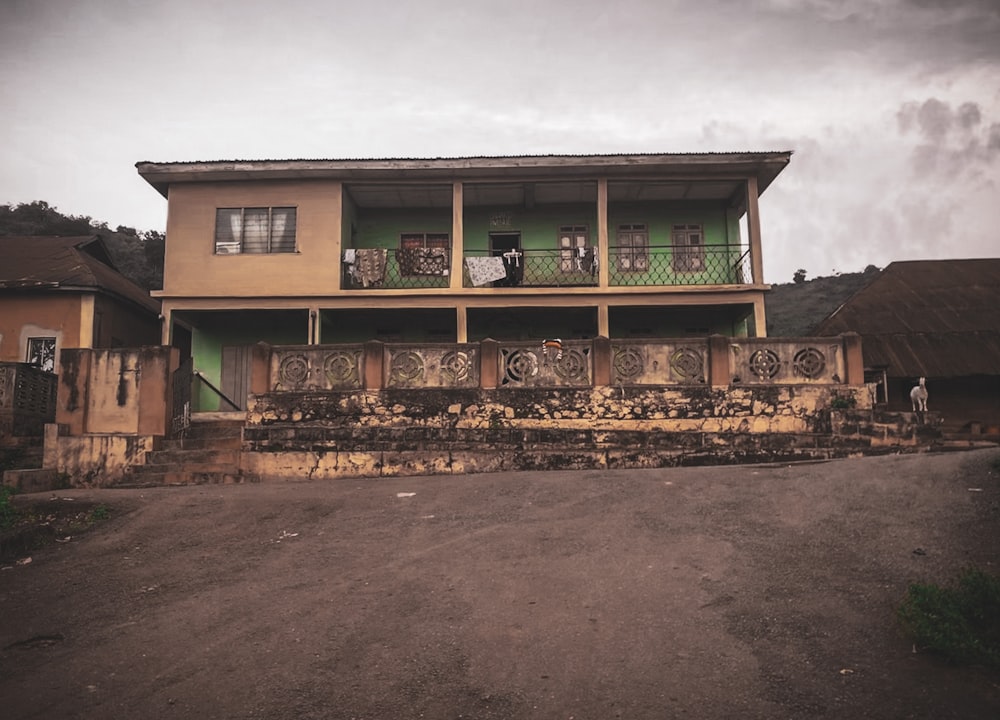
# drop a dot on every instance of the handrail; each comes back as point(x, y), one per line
point(200, 376)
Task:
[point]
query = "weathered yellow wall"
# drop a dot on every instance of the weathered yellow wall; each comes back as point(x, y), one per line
point(94, 460)
point(124, 391)
point(37, 315)
point(190, 255)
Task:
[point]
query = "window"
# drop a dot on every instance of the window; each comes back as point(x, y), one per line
point(689, 251)
point(42, 353)
point(424, 254)
point(254, 230)
point(633, 248)
point(571, 239)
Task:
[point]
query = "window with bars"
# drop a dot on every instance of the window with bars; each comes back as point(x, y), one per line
point(42, 353)
point(424, 254)
point(689, 248)
point(571, 239)
point(254, 230)
point(633, 248)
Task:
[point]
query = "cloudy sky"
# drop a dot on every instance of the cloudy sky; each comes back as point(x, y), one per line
point(891, 107)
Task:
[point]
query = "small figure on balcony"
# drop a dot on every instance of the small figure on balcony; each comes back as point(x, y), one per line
point(554, 345)
point(918, 396)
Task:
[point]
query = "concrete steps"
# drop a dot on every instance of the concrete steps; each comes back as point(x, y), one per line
point(208, 454)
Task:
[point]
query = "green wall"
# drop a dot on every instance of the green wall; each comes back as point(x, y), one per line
point(214, 330)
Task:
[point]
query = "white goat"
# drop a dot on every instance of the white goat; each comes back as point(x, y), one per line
point(918, 396)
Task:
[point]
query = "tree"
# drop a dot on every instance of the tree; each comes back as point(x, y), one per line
point(799, 276)
point(138, 255)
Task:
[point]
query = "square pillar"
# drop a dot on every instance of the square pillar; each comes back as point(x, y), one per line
point(602, 361)
point(373, 364)
point(719, 372)
point(854, 361)
point(489, 364)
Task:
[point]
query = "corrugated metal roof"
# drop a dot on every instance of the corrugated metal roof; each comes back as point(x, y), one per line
point(459, 158)
point(932, 318)
point(81, 262)
point(764, 165)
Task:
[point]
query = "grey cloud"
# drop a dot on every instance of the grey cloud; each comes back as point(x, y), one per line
point(954, 145)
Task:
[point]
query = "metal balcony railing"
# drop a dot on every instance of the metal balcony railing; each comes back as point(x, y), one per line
point(656, 265)
point(374, 268)
point(532, 268)
point(680, 265)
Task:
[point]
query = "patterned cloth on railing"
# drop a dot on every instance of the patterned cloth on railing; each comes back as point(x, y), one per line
point(369, 266)
point(422, 261)
point(484, 270)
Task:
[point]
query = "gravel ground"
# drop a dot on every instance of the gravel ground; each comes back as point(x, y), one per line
point(717, 592)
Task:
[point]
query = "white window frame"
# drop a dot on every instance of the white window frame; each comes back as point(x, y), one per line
point(40, 352)
point(633, 248)
point(276, 234)
point(688, 243)
point(571, 239)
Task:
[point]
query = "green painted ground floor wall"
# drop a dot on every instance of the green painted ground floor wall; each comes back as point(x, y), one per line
point(212, 333)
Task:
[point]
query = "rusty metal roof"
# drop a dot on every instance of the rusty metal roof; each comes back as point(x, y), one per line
point(54, 263)
point(931, 318)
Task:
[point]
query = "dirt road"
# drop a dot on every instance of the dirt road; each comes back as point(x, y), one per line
point(723, 592)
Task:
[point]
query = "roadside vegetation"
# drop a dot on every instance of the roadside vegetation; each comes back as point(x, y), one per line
point(960, 622)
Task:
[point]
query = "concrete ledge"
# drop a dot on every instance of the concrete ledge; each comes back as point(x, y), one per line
point(33, 480)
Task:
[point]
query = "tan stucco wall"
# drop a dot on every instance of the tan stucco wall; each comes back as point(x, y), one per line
point(125, 391)
point(94, 460)
point(30, 315)
point(190, 258)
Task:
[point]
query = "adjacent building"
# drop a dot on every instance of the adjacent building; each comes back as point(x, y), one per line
point(936, 319)
point(64, 292)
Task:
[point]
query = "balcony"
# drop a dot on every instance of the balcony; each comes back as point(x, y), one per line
point(649, 266)
point(667, 265)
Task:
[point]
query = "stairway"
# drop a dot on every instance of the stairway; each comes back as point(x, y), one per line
point(209, 453)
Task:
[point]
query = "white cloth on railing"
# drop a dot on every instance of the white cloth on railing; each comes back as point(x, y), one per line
point(586, 260)
point(484, 270)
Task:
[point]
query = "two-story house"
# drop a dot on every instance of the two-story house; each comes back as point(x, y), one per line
point(457, 250)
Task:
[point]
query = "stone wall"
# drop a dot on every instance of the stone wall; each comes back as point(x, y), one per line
point(412, 432)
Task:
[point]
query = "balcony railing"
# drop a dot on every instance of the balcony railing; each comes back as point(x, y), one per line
point(684, 265)
point(657, 265)
point(532, 268)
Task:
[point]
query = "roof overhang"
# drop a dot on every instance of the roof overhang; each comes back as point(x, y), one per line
point(720, 168)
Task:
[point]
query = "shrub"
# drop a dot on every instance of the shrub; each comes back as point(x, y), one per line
point(961, 623)
point(8, 513)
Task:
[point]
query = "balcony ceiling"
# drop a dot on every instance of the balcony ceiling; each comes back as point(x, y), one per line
point(542, 193)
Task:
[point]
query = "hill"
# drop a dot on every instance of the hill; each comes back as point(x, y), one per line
point(794, 309)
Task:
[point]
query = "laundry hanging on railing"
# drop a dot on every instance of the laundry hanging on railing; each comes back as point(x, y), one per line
point(555, 346)
point(422, 261)
point(512, 264)
point(483, 270)
point(587, 260)
point(368, 267)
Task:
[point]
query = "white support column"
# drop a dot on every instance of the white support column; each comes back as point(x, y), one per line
point(759, 319)
point(457, 237)
point(314, 325)
point(603, 251)
point(166, 326)
point(461, 324)
point(753, 229)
